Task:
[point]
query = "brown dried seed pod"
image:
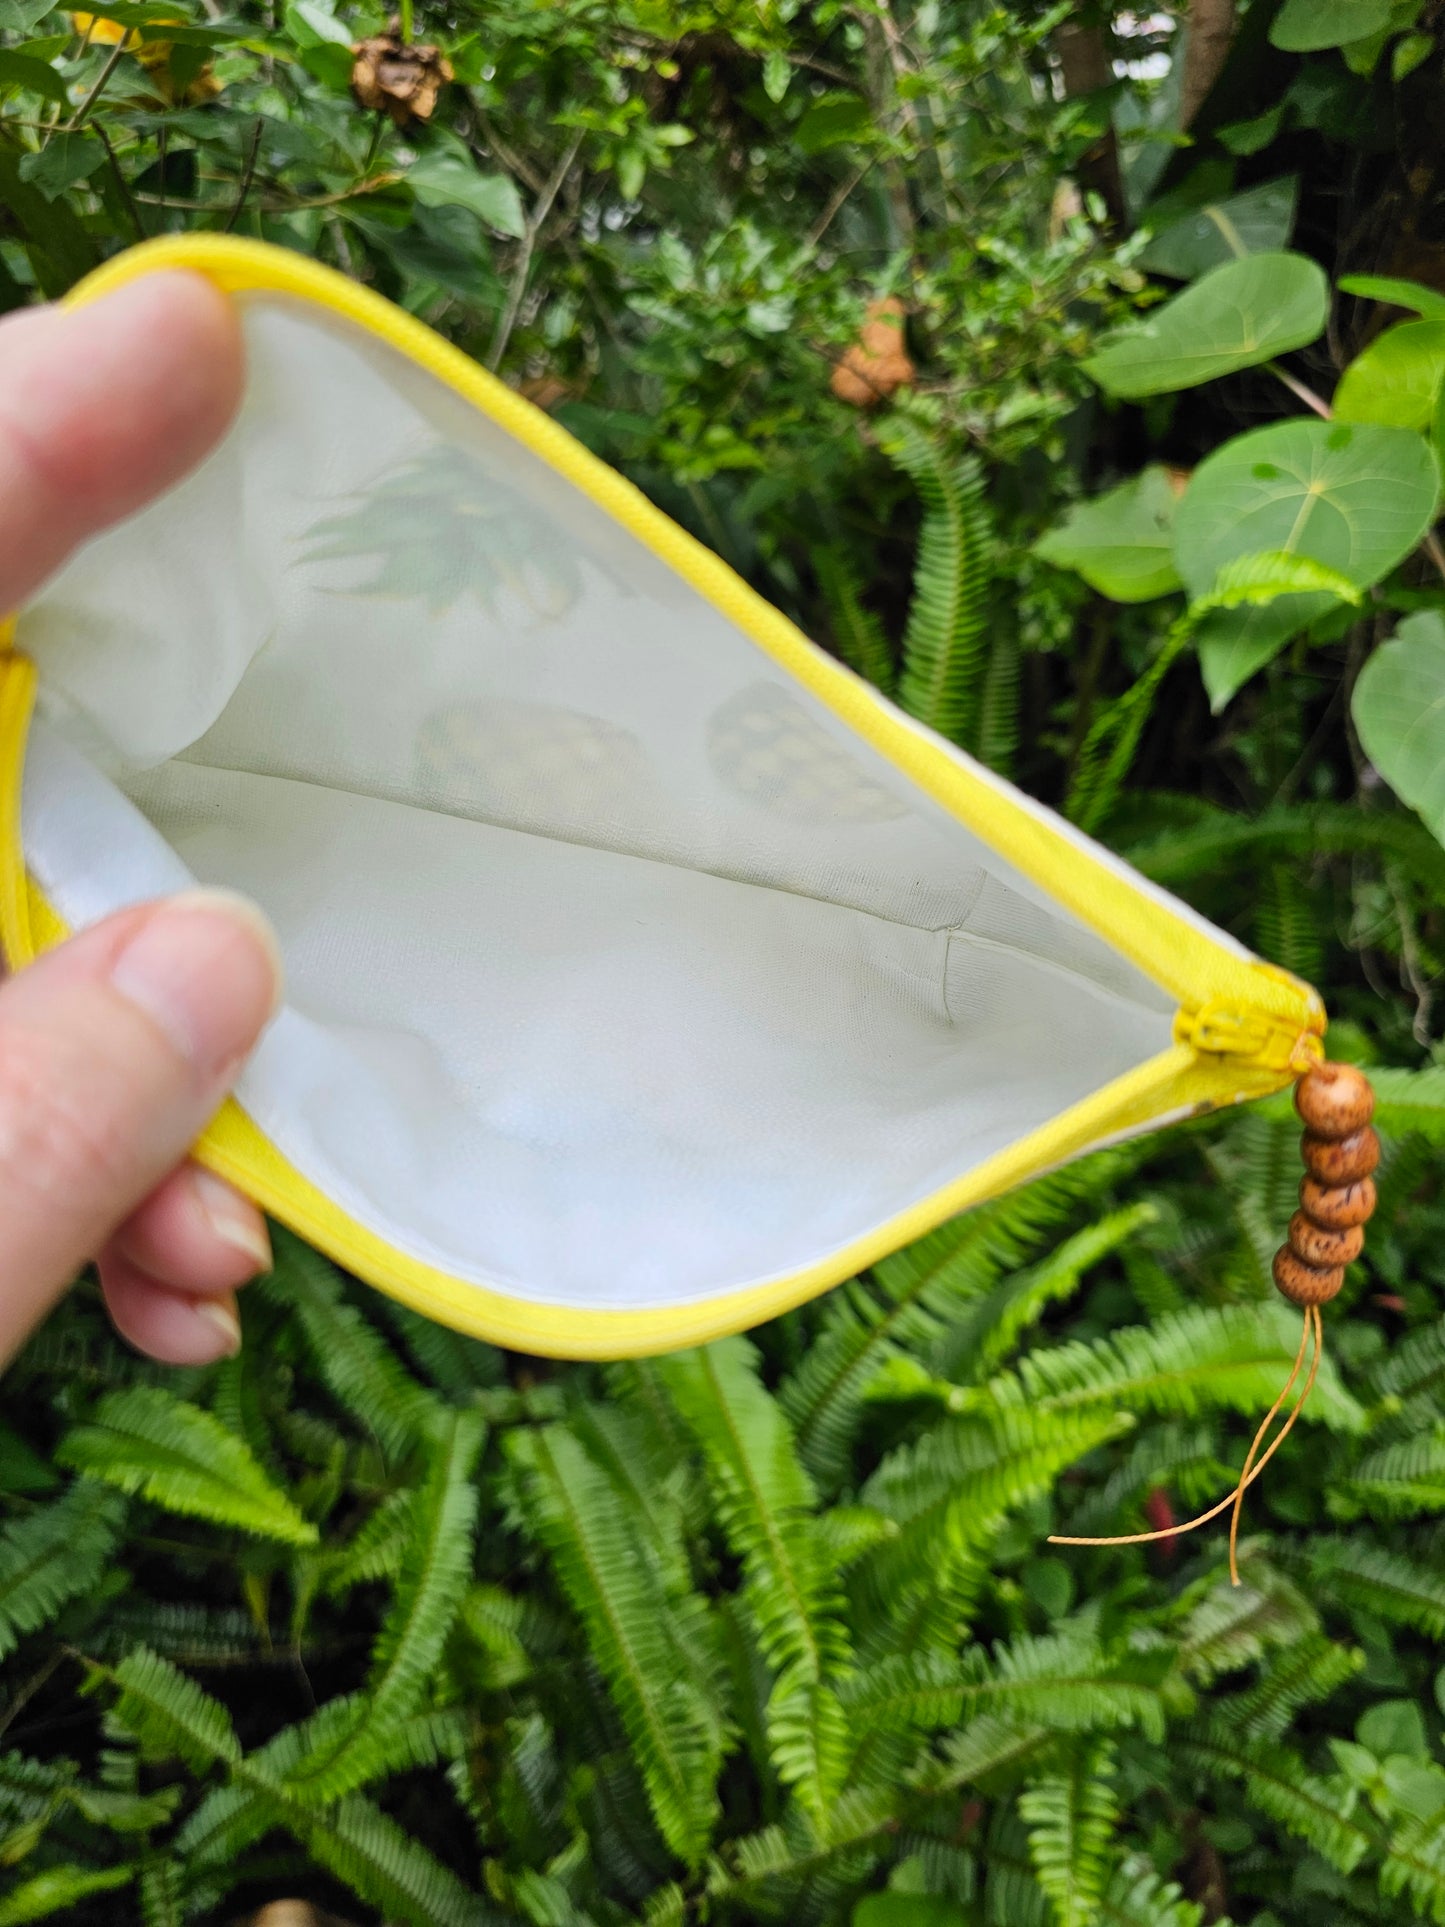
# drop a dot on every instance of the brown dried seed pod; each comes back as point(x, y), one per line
point(1304, 1285)
point(1334, 1100)
point(1341, 1160)
point(1314, 1245)
point(401, 78)
point(1335, 1207)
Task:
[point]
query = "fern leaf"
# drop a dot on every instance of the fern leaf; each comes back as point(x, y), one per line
point(857, 633)
point(1065, 1681)
point(1413, 1862)
point(160, 1894)
point(612, 1588)
point(891, 1705)
point(989, 1329)
point(44, 1895)
point(436, 1570)
point(1278, 1783)
point(764, 1501)
point(384, 1866)
point(987, 1746)
point(1300, 1675)
point(146, 1441)
point(1208, 1356)
point(1395, 1481)
point(1071, 1817)
point(1137, 1897)
point(918, 1296)
point(1233, 1626)
point(949, 1491)
point(1386, 1585)
point(169, 1715)
point(1414, 1366)
point(56, 1554)
point(997, 734)
point(943, 646)
point(353, 1361)
point(1182, 1459)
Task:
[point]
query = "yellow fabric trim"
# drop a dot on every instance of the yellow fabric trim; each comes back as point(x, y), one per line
point(1250, 1006)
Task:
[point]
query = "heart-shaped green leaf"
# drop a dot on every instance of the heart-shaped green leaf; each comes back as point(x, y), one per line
point(1399, 711)
point(1235, 644)
point(1305, 26)
point(1397, 378)
point(1353, 500)
point(1356, 497)
point(1250, 223)
point(1233, 317)
point(1120, 542)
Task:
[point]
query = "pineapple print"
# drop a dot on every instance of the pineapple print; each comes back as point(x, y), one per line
point(764, 745)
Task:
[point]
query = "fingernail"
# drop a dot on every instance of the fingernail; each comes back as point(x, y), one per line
point(232, 1220)
point(220, 1316)
point(205, 967)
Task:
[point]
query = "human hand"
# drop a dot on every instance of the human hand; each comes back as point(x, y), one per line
point(118, 1047)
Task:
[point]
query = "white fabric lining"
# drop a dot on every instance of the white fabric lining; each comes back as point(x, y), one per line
point(621, 974)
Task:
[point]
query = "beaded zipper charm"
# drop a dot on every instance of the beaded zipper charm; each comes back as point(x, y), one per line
point(1337, 1198)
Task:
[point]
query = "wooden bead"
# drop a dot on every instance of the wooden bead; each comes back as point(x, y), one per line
point(1341, 1160)
point(1336, 1207)
point(1335, 1100)
point(1302, 1284)
point(1314, 1245)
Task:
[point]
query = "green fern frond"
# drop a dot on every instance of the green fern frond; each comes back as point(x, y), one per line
point(167, 1713)
point(1066, 1682)
point(1137, 1897)
point(916, 1299)
point(56, 1554)
point(1071, 1817)
point(1414, 1366)
point(1180, 1459)
point(1108, 750)
point(1413, 1862)
point(160, 1894)
point(1369, 1578)
point(997, 735)
point(436, 1570)
point(612, 1586)
point(457, 1365)
point(57, 1891)
point(1277, 1781)
point(146, 1441)
point(985, 1748)
point(943, 645)
point(1395, 1481)
point(778, 1865)
point(354, 1363)
point(764, 1501)
point(376, 1549)
point(1299, 1675)
point(1286, 924)
point(988, 1330)
point(1228, 1627)
point(856, 631)
point(949, 1490)
point(891, 1705)
point(384, 1866)
point(1209, 1356)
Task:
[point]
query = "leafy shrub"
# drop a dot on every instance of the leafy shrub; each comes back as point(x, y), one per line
point(769, 1631)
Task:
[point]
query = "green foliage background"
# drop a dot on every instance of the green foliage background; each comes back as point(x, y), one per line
point(435, 1635)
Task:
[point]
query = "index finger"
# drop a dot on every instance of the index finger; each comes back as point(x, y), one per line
point(103, 407)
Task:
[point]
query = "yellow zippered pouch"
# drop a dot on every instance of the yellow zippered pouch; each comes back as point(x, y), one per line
point(648, 972)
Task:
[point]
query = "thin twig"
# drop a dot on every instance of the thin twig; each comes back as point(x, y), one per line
point(117, 53)
point(508, 156)
point(247, 176)
point(1297, 388)
point(1432, 548)
point(507, 320)
point(122, 185)
point(835, 201)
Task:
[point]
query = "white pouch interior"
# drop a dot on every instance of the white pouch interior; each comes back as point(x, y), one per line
point(622, 973)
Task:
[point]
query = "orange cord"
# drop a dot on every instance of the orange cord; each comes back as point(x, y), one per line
point(1252, 1468)
point(1246, 1477)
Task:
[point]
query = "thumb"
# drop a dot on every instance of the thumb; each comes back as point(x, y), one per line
point(115, 1051)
